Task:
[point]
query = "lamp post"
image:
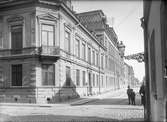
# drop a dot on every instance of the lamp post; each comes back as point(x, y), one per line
point(121, 48)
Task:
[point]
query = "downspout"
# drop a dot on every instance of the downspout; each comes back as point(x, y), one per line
point(147, 106)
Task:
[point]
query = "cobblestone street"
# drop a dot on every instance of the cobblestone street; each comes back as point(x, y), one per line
point(111, 106)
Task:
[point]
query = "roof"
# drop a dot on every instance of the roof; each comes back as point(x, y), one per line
point(95, 21)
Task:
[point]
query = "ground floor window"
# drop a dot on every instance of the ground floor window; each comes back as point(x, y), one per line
point(48, 74)
point(77, 77)
point(83, 78)
point(68, 76)
point(17, 75)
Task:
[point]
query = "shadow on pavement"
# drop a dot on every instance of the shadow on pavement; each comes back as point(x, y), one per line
point(112, 101)
point(60, 118)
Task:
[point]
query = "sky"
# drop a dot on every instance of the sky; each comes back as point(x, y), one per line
point(124, 16)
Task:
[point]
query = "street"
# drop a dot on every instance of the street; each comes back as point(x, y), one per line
point(111, 106)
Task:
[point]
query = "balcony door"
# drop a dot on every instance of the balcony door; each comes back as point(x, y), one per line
point(16, 39)
point(47, 35)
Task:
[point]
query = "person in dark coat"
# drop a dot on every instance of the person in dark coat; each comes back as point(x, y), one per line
point(142, 93)
point(129, 91)
point(133, 97)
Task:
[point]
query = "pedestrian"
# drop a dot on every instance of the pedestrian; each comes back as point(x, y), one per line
point(129, 91)
point(133, 97)
point(142, 93)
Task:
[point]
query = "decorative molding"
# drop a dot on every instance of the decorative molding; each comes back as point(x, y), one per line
point(49, 16)
point(15, 18)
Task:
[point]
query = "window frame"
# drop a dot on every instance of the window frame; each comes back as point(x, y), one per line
point(53, 73)
point(48, 24)
point(15, 72)
point(66, 30)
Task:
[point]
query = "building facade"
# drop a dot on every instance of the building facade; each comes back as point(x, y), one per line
point(154, 25)
point(47, 55)
point(129, 78)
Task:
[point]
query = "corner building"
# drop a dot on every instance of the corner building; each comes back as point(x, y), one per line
point(47, 55)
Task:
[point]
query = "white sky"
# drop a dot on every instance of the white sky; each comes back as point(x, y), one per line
point(126, 24)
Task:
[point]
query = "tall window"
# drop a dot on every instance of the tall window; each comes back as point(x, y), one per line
point(83, 78)
point(97, 80)
point(16, 38)
point(93, 53)
point(67, 41)
point(1, 40)
point(89, 55)
point(68, 76)
point(17, 75)
point(48, 74)
point(77, 77)
point(106, 64)
point(97, 59)
point(83, 51)
point(102, 61)
point(77, 48)
point(93, 79)
point(47, 35)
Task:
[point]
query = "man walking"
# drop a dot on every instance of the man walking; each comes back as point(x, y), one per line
point(129, 91)
point(142, 93)
point(133, 97)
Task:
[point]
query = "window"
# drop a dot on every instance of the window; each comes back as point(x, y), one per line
point(77, 77)
point(68, 76)
point(93, 53)
point(102, 61)
point(1, 75)
point(83, 78)
point(106, 62)
point(97, 59)
point(1, 40)
point(17, 75)
point(102, 81)
point(77, 48)
point(97, 80)
point(93, 79)
point(47, 35)
point(16, 39)
point(89, 55)
point(67, 41)
point(83, 51)
point(48, 74)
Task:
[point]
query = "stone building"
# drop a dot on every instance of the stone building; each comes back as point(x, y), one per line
point(129, 76)
point(154, 24)
point(96, 23)
point(47, 55)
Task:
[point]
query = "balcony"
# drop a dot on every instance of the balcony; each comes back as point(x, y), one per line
point(42, 52)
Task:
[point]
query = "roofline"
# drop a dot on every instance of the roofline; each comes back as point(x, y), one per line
point(59, 3)
point(70, 12)
point(92, 12)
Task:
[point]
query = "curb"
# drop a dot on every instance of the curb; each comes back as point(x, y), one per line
point(82, 102)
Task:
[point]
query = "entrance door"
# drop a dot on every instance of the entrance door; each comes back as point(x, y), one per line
point(89, 84)
point(16, 39)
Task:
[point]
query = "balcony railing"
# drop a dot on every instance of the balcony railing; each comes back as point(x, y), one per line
point(43, 50)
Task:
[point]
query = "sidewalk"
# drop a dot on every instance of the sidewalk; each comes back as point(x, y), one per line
point(108, 94)
point(79, 101)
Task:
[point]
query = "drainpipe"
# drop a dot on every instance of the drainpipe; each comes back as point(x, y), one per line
point(147, 106)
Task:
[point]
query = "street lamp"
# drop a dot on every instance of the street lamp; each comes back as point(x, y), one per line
point(121, 48)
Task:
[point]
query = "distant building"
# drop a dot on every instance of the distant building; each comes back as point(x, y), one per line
point(154, 24)
point(129, 76)
point(47, 53)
